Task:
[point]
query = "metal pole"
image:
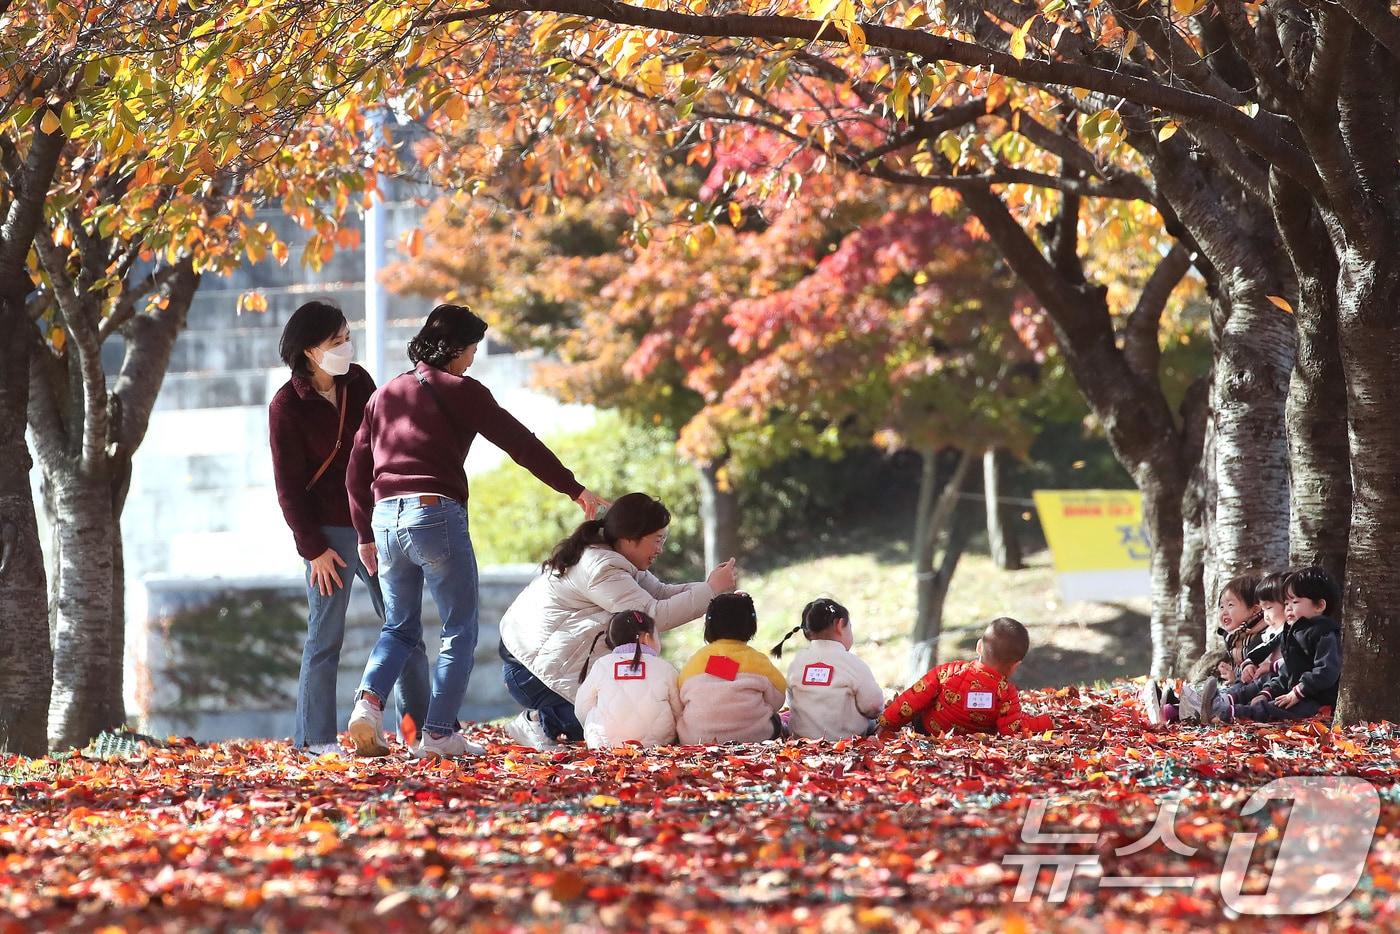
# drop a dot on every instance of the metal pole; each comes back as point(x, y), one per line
point(376, 297)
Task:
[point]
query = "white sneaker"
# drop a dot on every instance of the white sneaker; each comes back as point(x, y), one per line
point(321, 749)
point(446, 747)
point(1151, 697)
point(1190, 706)
point(528, 731)
point(367, 729)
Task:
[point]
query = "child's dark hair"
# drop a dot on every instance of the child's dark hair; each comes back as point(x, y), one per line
point(817, 617)
point(1005, 641)
point(449, 330)
point(1273, 588)
point(1315, 584)
point(312, 324)
point(1246, 587)
point(731, 616)
point(629, 626)
point(635, 515)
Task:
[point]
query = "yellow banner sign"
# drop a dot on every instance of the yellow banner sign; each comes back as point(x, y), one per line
point(1094, 530)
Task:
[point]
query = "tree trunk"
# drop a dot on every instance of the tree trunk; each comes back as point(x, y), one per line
point(1318, 450)
point(115, 702)
point(1254, 358)
point(1002, 541)
point(934, 525)
point(719, 514)
point(1162, 492)
point(1368, 306)
point(26, 662)
point(1197, 511)
point(83, 631)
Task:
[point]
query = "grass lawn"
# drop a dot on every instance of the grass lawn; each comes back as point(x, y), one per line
point(1071, 643)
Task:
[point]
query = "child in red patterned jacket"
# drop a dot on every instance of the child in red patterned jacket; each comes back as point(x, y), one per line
point(970, 697)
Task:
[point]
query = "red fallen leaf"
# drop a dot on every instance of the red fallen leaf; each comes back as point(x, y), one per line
point(409, 730)
point(567, 886)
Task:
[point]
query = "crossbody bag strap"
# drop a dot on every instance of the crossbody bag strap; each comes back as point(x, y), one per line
point(339, 431)
point(446, 412)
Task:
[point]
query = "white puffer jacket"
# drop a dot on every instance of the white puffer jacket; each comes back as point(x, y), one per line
point(618, 702)
point(552, 627)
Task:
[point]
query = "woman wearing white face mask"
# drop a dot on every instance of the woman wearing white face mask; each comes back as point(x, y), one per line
point(312, 421)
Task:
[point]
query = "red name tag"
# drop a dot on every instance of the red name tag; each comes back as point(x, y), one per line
point(722, 666)
point(626, 671)
point(818, 674)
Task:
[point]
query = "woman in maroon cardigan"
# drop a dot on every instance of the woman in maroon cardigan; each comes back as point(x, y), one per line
point(408, 501)
point(312, 420)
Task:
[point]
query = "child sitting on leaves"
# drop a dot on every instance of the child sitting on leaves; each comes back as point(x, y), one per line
point(630, 694)
point(970, 697)
point(1242, 627)
point(1241, 620)
point(1311, 668)
point(1264, 650)
point(730, 692)
point(834, 695)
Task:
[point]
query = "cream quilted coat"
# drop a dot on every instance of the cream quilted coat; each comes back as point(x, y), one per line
point(551, 627)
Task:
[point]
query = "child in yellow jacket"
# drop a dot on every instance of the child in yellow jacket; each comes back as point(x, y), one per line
point(730, 692)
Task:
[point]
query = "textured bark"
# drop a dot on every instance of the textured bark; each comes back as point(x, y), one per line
point(1197, 512)
point(719, 515)
point(85, 438)
point(1002, 540)
point(1369, 307)
point(26, 671)
point(1319, 454)
point(25, 675)
point(935, 526)
point(82, 632)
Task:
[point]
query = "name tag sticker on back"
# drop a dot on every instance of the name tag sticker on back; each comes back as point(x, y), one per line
point(817, 674)
point(979, 700)
point(722, 667)
point(626, 671)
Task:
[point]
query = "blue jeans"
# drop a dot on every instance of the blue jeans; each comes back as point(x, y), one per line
point(316, 718)
point(417, 544)
point(556, 711)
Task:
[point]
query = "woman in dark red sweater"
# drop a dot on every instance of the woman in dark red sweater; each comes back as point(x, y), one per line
point(311, 422)
point(408, 502)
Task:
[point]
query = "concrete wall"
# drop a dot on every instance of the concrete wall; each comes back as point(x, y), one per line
point(169, 602)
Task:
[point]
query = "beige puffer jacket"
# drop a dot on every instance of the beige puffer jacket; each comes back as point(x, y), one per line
point(552, 627)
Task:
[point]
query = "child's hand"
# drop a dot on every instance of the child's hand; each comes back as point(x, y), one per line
point(1248, 672)
point(1225, 670)
point(1288, 700)
point(1259, 698)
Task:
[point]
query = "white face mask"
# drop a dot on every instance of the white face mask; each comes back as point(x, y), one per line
point(336, 360)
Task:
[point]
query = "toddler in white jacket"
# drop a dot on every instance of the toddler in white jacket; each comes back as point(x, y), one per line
point(630, 694)
point(834, 695)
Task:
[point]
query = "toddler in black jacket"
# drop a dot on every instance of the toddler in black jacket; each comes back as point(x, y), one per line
point(1311, 668)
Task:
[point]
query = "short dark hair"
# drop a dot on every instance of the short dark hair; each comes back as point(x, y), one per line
point(313, 323)
point(1005, 641)
point(731, 616)
point(1273, 587)
point(1315, 584)
point(449, 330)
point(1245, 587)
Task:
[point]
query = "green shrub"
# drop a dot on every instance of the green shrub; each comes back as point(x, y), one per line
point(800, 504)
point(515, 519)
